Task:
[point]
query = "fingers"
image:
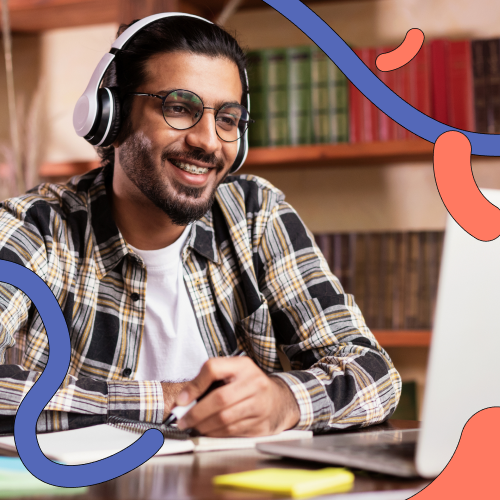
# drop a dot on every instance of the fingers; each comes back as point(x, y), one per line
point(216, 404)
point(214, 369)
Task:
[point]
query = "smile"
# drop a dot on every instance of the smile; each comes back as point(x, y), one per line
point(187, 167)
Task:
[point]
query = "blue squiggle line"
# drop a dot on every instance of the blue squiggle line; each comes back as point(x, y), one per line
point(370, 85)
point(34, 402)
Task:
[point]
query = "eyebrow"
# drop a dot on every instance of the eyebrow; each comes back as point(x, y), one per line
point(218, 104)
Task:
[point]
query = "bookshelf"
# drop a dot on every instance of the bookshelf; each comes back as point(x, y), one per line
point(403, 338)
point(327, 155)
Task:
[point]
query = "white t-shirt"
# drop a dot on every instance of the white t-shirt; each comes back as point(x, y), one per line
point(172, 348)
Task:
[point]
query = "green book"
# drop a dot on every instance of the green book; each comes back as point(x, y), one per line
point(257, 132)
point(275, 71)
point(299, 95)
point(329, 100)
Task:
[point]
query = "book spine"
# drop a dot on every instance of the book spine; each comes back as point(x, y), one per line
point(493, 86)
point(461, 110)
point(403, 82)
point(338, 104)
point(390, 280)
point(320, 96)
point(257, 133)
point(420, 81)
point(385, 124)
point(277, 102)
point(412, 281)
point(299, 95)
point(323, 241)
point(336, 242)
point(439, 56)
point(369, 111)
point(479, 75)
point(355, 111)
point(360, 279)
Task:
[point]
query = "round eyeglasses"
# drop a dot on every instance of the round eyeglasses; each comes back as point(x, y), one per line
point(183, 109)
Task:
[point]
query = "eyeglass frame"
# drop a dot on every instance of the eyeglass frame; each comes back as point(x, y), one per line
point(164, 98)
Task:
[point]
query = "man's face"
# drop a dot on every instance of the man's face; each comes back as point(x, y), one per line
point(156, 157)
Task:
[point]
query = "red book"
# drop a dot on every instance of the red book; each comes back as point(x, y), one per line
point(461, 111)
point(386, 125)
point(370, 111)
point(420, 81)
point(355, 112)
point(440, 94)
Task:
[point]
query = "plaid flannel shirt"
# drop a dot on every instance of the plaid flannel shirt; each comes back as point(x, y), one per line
point(257, 282)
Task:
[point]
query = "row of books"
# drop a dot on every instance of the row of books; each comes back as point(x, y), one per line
point(392, 275)
point(298, 96)
point(438, 81)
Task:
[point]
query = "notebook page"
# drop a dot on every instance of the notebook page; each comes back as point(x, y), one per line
point(80, 446)
point(203, 443)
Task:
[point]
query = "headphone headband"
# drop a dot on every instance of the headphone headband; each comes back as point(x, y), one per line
point(96, 116)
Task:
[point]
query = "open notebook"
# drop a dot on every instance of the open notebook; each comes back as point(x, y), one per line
point(95, 443)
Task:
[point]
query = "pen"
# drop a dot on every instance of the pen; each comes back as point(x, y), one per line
point(179, 411)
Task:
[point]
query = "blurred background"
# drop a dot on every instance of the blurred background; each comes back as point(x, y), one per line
point(368, 193)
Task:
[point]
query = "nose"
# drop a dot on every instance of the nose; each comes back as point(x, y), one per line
point(203, 134)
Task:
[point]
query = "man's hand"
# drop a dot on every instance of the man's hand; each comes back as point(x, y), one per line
point(170, 392)
point(250, 404)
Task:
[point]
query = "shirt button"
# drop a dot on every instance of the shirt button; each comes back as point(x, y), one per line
point(126, 372)
point(135, 297)
point(221, 353)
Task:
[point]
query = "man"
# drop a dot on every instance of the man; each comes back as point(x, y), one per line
point(173, 275)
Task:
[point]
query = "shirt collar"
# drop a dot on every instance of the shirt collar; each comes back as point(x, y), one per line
point(109, 245)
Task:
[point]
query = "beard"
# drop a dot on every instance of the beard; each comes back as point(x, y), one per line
point(183, 204)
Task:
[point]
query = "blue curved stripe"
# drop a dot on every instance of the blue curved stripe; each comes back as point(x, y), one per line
point(34, 402)
point(370, 85)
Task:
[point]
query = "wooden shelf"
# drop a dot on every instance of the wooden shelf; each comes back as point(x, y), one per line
point(325, 155)
point(31, 16)
point(403, 338)
point(339, 154)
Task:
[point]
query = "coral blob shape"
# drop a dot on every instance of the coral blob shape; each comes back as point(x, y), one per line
point(473, 470)
point(458, 189)
point(403, 54)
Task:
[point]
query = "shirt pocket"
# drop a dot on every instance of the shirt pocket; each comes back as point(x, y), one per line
point(255, 336)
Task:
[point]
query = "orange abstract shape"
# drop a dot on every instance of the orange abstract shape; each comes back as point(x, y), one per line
point(458, 189)
point(403, 54)
point(473, 470)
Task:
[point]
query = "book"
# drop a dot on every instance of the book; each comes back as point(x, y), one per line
point(275, 72)
point(299, 99)
point(420, 81)
point(439, 57)
point(257, 133)
point(461, 111)
point(100, 441)
point(328, 100)
point(492, 63)
point(479, 77)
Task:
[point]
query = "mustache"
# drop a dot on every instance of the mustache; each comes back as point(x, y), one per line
point(193, 154)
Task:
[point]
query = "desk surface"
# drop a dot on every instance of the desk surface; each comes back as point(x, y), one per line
point(189, 476)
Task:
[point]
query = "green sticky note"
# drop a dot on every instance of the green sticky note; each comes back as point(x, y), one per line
point(16, 481)
point(297, 483)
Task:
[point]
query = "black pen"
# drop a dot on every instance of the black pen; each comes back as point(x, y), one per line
point(179, 411)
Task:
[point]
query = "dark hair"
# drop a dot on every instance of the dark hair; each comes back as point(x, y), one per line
point(170, 34)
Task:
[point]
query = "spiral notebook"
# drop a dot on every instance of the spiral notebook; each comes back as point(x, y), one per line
point(89, 444)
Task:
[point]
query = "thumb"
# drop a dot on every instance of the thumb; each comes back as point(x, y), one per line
point(194, 389)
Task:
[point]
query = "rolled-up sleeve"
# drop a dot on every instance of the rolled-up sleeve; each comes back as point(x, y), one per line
point(340, 376)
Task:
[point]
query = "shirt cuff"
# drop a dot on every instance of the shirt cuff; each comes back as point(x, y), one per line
point(136, 400)
point(310, 394)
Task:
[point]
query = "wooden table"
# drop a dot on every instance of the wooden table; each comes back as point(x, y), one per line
point(189, 476)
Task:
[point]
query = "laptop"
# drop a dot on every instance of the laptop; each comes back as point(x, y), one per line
point(462, 375)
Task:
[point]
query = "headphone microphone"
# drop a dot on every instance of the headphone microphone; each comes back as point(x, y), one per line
point(96, 116)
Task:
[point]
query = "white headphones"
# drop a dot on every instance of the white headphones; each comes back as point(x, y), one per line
point(96, 117)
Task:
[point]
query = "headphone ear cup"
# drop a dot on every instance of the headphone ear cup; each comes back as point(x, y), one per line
point(114, 127)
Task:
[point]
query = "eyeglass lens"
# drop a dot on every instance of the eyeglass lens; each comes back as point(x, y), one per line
point(183, 109)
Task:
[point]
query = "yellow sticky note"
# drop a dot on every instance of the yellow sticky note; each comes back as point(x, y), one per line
point(297, 483)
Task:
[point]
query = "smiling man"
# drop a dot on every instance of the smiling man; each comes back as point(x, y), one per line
point(173, 274)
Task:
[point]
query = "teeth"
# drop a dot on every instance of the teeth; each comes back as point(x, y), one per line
point(192, 169)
